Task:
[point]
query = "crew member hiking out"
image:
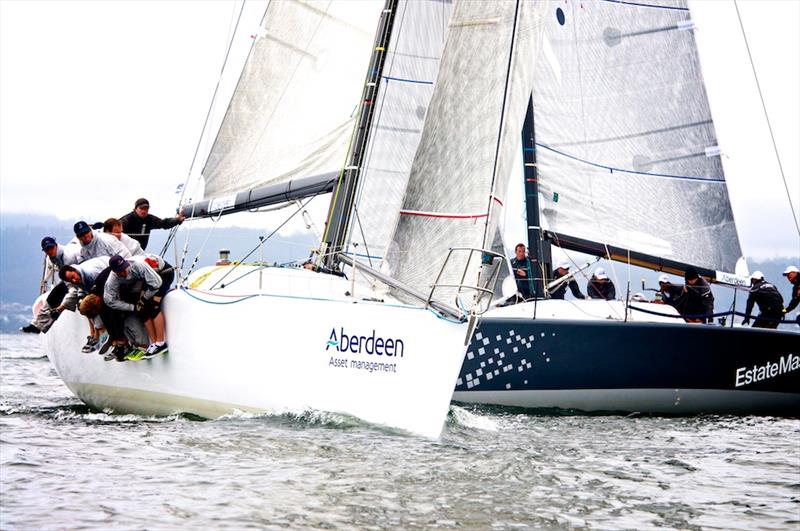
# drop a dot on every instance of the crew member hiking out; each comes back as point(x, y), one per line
point(57, 257)
point(139, 222)
point(769, 300)
point(96, 243)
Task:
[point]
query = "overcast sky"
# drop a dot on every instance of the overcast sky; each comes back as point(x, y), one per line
point(103, 102)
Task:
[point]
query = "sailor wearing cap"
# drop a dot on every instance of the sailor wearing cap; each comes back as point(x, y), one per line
point(94, 244)
point(697, 298)
point(139, 222)
point(600, 286)
point(670, 293)
point(52, 308)
point(121, 298)
point(561, 290)
point(769, 300)
point(792, 274)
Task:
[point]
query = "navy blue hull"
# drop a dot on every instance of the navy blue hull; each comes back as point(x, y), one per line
point(673, 368)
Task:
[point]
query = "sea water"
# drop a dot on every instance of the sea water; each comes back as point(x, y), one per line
point(63, 466)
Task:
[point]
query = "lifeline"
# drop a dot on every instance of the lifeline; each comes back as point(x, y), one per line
point(787, 363)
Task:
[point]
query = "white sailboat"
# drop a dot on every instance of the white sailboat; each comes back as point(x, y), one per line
point(418, 178)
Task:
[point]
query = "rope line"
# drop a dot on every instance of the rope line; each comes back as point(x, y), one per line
point(766, 116)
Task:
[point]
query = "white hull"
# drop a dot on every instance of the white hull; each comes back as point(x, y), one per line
point(271, 353)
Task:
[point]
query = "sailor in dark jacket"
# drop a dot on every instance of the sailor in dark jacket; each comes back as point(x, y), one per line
point(561, 290)
point(670, 293)
point(698, 300)
point(792, 274)
point(769, 300)
point(139, 222)
point(521, 266)
point(600, 286)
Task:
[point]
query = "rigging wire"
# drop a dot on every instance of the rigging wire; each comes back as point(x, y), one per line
point(766, 116)
point(174, 230)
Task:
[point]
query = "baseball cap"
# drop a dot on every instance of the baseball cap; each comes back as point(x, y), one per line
point(757, 275)
point(81, 228)
point(600, 274)
point(791, 269)
point(564, 265)
point(664, 279)
point(47, 242)
point(118, 264)
point(141, 202)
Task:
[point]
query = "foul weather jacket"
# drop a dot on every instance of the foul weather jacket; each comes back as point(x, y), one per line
point(795, 295)
point(599, 289)
point(102, 244)
point(561, 290)
point(137, 271)
point(768, 298)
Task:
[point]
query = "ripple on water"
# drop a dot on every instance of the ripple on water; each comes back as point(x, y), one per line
point(64, 465)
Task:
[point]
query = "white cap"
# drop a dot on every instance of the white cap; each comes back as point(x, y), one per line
point(563, 265)
point(664, 278)
point(600, 274)
point(757, 275)
point(791, 269)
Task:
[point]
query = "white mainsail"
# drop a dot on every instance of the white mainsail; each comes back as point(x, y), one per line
point(460, 171)
point(625, 146)
point(291, 114)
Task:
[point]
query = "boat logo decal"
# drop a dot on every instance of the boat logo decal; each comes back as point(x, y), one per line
point(372, 344)
point(759, 373)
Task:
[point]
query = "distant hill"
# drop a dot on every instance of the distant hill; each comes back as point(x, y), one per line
point(21, 257)
point(21, 260)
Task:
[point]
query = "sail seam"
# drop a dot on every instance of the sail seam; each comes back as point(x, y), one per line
point(638, 4)
point(623, 170)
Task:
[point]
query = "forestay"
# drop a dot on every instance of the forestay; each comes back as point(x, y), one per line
point(291, 114)
point(407, 84)
point(460, 170)
point(625, 145)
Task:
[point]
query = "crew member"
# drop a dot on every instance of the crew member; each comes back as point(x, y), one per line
point(94, 244)
point(523, 273)
point(113, 226)
point(600, 286)
point(792, 274)
point(769, 300)
point(670, 293)
point(697, 299)
point(80, 278)
point(57, 257)
point(561, 290)
point(139, 222)
point(147, 305)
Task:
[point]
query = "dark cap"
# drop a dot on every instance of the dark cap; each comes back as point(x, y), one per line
point(690, 273)
point(81, 228)
point(141, 202)
point(118, 264)
point(47, 242)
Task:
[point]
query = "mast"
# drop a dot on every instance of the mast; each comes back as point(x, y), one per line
point(538, 248)
point(340, 212)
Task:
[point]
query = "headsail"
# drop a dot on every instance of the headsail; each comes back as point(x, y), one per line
point(407, 84)
point(460, 171)
point(291, 113)
point(625, 146)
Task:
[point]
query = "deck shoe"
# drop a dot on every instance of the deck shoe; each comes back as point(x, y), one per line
point(135, 354)
point(106, 344)
point(91, 344)
point(154, 350)
point(30, 329)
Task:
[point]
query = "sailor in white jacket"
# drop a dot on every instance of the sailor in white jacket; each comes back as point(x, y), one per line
point(94, 244)
point(113, 227)
point(118, 297)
